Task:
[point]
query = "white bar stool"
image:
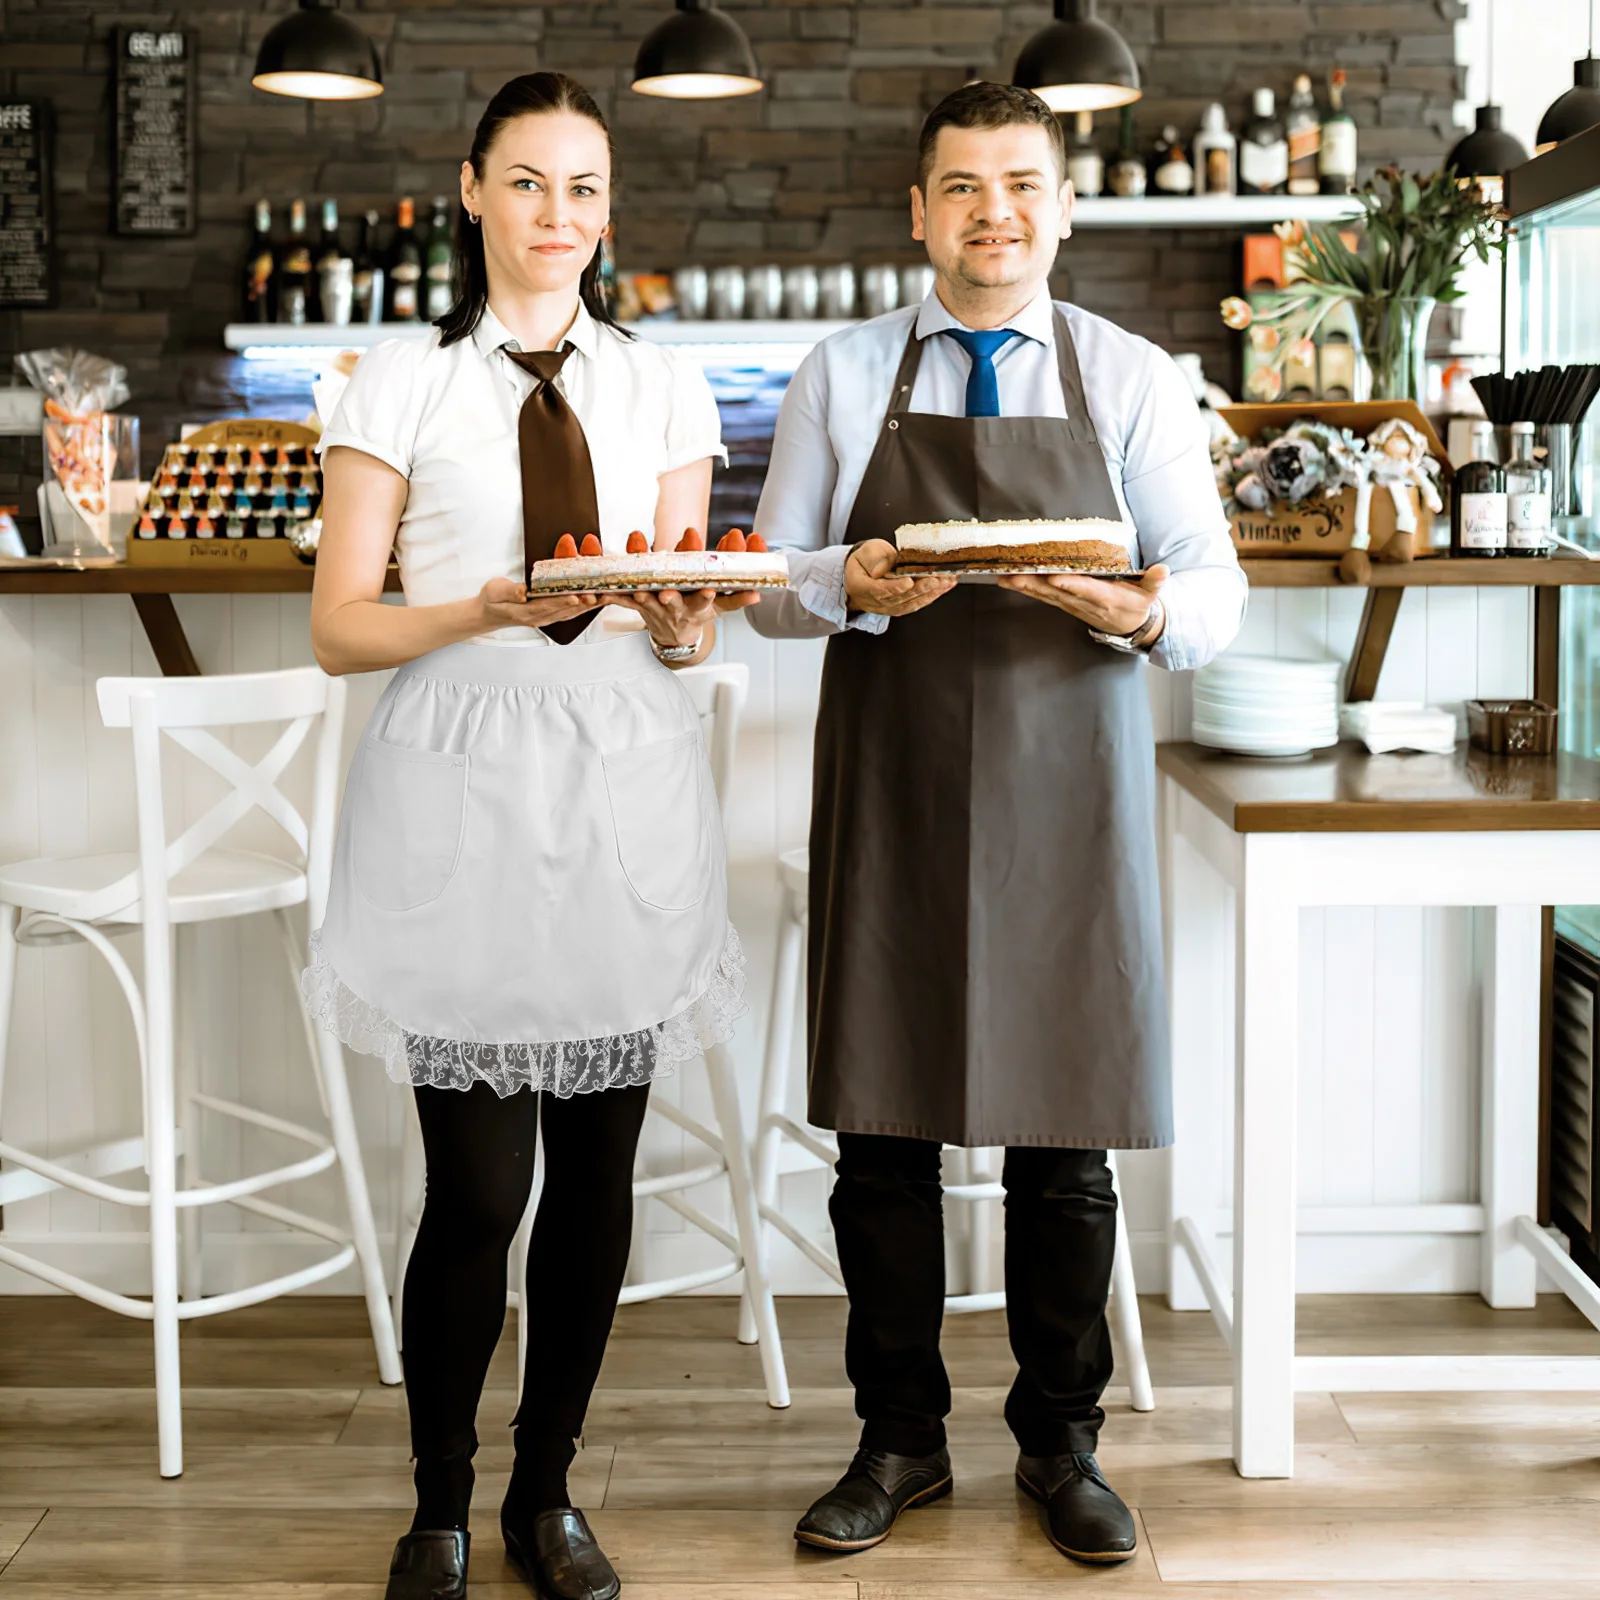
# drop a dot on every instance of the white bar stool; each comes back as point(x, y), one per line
point(719, 694)
point(159, 889)
point(784, 1145)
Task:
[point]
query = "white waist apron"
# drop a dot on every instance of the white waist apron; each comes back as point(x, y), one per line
point(529, 884)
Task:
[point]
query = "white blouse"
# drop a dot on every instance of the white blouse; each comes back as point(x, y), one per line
point(446, 419)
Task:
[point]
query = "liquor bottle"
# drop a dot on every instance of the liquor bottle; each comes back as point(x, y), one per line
point(367, 280)
point(1263, 149)
point(325, 264)
point(259, 269)
point(1216, 154)
point(1478, 503)
point(405, 266)
point(1127, 177)
point(294, 270)
point(1527, 497)
point(440, 253)
point(1172, 173)
point(1304, 131)
point(1086, 167)
point(1336, 160)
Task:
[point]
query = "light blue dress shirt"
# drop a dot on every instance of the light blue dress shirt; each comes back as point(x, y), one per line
point(1149, 427)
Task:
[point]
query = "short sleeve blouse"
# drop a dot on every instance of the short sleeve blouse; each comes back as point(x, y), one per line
point(445, 418)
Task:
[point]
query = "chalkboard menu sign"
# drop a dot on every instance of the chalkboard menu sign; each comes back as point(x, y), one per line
point(154, 186)
point(27, 259)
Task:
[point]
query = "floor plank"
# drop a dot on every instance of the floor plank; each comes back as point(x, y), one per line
point(277, 1476)
point(44, 1415)
point(16, 1523)
point(1523, 1540)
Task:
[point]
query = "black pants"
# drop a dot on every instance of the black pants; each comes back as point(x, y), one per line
point(480, 1152)
point(1061, 1228)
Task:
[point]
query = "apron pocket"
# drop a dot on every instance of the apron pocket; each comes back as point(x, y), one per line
point(410, 817)
point(657, 797)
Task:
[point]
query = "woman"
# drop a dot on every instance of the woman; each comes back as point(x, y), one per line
point(528, 917)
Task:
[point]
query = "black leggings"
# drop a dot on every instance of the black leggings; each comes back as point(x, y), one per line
point(480, 1152)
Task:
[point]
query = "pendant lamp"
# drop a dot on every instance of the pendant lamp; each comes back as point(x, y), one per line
point(698, 53)
point(1078, 63)
point(1488, 153)
point(317, 54)
point(1579, 107)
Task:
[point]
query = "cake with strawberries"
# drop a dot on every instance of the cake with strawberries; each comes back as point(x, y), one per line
point(1082, 544)
point(737, 564)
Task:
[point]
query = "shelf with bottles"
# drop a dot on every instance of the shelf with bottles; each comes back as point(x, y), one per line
point(293, 281)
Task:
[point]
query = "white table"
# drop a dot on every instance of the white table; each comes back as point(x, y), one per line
point(1345, 828)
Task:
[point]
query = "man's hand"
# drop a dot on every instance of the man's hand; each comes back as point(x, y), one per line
point(1107, 604)
point(870, 584)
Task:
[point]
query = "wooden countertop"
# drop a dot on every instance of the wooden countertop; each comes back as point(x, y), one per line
point(164, 580)
point(1346, 790)
point(1431, 572)
point(1285, 573)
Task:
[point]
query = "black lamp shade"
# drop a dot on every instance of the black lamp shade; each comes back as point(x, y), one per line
point(317, 54)
point(698, 53)
point(1577, 109)
point(1488, 152)
point(1078, 63)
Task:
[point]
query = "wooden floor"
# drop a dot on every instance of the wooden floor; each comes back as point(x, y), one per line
point(297, 1481)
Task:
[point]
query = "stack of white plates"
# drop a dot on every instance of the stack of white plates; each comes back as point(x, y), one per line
point(1263, 706)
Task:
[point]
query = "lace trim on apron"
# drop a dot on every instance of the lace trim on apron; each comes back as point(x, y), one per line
point(562, 1067)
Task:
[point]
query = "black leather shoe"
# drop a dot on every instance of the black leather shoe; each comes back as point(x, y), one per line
point(558, 1555)
point(862, 1507)
point(1084, 1515)
point(431, 1565)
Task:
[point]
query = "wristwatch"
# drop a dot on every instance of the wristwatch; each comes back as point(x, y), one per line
point(677, 652)
point(1138, 642)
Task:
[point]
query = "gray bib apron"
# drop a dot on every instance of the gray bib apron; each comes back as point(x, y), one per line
point(985, 946)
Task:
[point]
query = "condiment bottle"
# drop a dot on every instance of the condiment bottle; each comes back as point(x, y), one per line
point(1528, 525)
point(1127, 177)
point(1216, 154)
point(1478, 503)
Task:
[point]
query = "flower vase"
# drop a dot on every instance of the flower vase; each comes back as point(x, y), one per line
point(1394, 339)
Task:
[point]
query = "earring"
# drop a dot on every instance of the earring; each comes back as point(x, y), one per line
point(474, 218)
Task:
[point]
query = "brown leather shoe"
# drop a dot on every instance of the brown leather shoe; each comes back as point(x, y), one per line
point(862, 1508)
point(1084, 1515)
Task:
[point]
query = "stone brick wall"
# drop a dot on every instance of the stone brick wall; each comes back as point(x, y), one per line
point(814, 168)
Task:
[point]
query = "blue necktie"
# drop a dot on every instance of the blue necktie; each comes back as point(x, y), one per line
point(983, 391)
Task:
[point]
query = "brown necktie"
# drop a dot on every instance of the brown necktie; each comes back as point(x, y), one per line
point(557, 474)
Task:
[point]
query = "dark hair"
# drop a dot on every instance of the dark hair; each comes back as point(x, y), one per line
point(534, 94)
point(989, 105)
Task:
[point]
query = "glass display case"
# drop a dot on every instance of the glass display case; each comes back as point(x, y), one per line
point(1552, 318)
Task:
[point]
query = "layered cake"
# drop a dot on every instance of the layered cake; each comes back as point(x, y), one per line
point(737, 564)
point(1088, 544)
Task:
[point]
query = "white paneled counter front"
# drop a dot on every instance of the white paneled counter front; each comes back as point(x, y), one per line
point(1388, 1048)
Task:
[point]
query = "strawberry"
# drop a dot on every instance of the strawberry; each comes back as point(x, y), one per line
point(692, 539)
point(590, 546)
point(731, 540)
point(566, 547)
point(638, 545)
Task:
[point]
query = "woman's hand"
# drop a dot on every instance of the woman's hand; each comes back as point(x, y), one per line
point(504, 603)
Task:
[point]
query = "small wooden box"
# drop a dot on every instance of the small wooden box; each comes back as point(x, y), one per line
point(1325, 526)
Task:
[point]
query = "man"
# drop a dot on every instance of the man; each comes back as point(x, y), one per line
point(985, 930)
